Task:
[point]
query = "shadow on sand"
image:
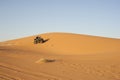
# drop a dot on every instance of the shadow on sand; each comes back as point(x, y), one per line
point(44, 41)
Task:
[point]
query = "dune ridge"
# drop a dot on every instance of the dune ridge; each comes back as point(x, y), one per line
point(73, 43)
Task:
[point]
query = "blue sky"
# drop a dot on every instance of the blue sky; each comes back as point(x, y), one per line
point(19, 18)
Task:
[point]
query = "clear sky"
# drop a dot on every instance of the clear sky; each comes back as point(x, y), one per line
point(19, 18)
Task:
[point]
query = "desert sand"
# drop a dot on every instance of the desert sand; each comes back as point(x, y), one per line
point(65, 56)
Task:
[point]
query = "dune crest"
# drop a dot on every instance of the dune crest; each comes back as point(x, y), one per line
point(66, 43)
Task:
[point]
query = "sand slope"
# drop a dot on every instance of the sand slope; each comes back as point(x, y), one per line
point(64, 43)
point(75, 57)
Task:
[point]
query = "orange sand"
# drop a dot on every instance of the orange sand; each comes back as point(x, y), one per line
point(75, 57)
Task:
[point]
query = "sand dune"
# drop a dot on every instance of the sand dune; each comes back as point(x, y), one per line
point(64, 56)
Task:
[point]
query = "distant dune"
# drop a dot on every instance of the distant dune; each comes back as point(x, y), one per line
point(64, 56)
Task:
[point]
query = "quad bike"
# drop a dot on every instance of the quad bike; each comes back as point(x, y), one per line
point(38, 40)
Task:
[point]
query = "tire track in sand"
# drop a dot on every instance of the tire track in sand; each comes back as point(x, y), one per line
point(8, 77)
point(18, 70)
